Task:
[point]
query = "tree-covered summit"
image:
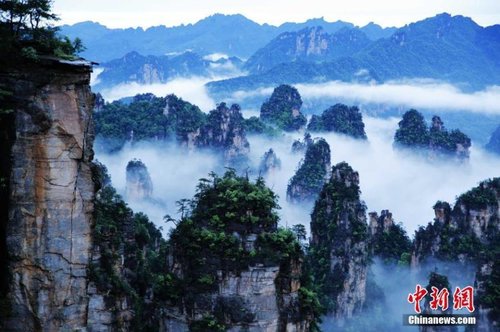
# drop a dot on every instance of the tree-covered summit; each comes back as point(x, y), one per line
point(283, 109)
point(435, 140)
point(341, 119)
point(148, 117)
point(312, 173)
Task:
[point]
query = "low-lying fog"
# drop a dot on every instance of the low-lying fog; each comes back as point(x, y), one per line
point(407, 185)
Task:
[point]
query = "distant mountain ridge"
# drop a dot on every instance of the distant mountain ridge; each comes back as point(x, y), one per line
point(308, 44)
point(446, 48)
point(134, 67)
point(230, 34)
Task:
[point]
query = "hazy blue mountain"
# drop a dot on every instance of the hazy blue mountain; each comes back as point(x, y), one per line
point(308, 44)
point(329, 27)
point(447, 48)
point(494, 142)
point(375, 31)
point(134, 67)
point(230, 34)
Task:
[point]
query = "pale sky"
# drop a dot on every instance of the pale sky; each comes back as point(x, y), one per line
point(146, 13)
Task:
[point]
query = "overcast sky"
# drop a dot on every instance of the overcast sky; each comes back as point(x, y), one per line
point(146, 13)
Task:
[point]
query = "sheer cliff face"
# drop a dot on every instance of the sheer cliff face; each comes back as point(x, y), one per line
point(51, 193)
point(225, 132)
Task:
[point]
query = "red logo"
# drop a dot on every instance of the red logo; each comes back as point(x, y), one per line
point(462, 298)
point(439, 299)
point(415, 298)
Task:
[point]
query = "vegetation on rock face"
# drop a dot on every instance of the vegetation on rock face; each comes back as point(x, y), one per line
point(254, 125)
point(457, 235)
point(489, 292)
point(283, 109)
point(334, 221)
point(341, 119)
point(413, 133)
point(392, 246)
point(133, 261)
point(211, 238)
point(222, 125)
point(26, 32)
point(130, 259)
point(482, 196)
point(139, 185)
point(439, 281)
point(302, 145)
point(205, 241)
point(311, 175)
point(224, 131)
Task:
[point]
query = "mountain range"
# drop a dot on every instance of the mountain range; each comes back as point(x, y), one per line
point(229, 34)
point(447, 48)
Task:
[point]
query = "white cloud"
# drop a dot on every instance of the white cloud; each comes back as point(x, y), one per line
point(419, 94)
point(422, 93)
point(174, 173)
point(407, 185)
point(215, 56)
point(190, 89)
point(94, 76)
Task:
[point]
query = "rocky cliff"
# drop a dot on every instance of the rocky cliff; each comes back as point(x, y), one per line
point(467, 235)
point(77, 258)
point(339, 243)
point(282, 109)
point(225, 132)
point(312, 173)
point(340, 119)
point(48, 220)
point(270, 163)
point(139, 185)
point(435, 142)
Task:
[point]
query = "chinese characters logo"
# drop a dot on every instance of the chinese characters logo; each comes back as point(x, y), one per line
point(462, 298)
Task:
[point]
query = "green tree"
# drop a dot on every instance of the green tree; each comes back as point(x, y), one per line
point(412, 130)
point(26, 31)
point(341, 119)
point(283, 109)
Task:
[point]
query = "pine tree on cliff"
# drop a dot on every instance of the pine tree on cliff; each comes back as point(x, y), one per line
point(338, 255)
point(341, 119)
point(26, 32)
point(312, 173)
point(283, 109)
